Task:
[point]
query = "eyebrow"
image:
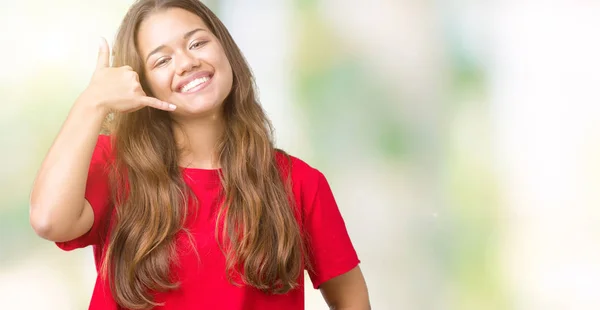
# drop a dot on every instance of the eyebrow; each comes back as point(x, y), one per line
point(185, 37)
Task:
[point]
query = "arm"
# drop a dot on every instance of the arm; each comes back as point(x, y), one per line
point(334, 264)
point(347, 291)
point(58, 210)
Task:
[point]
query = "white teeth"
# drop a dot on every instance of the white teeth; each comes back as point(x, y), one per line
point(194, 83)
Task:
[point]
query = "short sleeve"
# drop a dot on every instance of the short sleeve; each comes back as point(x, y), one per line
point(97, 193)
point(329, 246)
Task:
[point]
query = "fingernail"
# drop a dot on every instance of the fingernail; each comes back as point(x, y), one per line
point(172, 106)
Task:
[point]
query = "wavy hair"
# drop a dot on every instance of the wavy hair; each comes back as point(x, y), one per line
point(260, 235)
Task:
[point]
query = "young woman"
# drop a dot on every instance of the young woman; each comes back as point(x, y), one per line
point(186, 202)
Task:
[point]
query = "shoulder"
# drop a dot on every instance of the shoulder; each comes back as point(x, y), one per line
point(307, 182)
point(103, 151)
point(104, 143)
point(301, 171)
point(104, 139)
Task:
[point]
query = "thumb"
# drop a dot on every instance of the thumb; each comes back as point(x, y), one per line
point(103, 54)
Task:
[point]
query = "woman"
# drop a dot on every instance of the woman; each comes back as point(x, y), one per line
point(186, 202)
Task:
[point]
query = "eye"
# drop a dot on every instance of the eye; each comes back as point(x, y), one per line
point(161, 62)
point(197, 44)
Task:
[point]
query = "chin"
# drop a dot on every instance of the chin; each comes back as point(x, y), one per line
point(201, 108)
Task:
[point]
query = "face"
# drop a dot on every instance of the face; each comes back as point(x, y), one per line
point(184, 63)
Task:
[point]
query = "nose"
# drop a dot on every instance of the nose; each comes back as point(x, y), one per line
point(185, 62)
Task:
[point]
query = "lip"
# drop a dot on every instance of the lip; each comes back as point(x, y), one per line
point(192, 77)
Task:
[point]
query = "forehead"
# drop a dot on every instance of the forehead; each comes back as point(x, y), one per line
point(166, 27)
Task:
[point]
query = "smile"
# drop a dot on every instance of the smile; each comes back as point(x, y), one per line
point(196, 85)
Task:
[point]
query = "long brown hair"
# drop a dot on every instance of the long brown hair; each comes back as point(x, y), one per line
point(260, 235)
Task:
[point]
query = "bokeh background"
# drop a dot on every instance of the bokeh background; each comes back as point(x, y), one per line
point(461, 139)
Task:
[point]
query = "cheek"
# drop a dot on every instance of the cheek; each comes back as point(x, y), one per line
point(229, 76)
point(160, 84)
point(225, 67)
point(220, 58)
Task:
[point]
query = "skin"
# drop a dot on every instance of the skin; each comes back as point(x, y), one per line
point(347, 291)
point(176, 45)
point(58, 210)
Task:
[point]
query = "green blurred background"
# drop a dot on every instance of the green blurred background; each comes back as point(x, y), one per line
point(461, 139)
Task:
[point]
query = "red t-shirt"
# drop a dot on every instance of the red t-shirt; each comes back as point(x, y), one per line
point(204, 284)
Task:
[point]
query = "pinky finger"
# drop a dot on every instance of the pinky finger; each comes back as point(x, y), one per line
point(157, 104)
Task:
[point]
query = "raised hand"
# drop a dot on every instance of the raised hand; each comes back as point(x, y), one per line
point(119, 89)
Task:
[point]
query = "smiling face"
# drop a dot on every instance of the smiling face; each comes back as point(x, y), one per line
point(183, 62)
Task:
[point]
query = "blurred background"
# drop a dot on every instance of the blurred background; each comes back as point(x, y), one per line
point(461, 139)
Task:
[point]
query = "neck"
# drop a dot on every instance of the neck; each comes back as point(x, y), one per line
point(198, 138)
